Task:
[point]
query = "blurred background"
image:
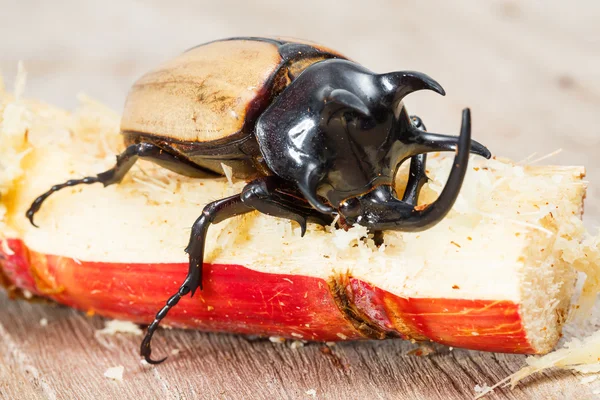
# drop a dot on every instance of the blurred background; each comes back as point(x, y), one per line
point(529, 70)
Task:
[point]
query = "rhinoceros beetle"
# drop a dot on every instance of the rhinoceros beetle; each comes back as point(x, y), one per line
point(314, 134)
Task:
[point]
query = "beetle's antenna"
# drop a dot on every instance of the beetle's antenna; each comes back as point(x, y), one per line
point(146, 349)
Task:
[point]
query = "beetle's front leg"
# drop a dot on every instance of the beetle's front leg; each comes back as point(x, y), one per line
point(125, 161)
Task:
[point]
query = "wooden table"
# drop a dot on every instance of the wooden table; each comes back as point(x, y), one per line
point(529, 71)
point(65, 360)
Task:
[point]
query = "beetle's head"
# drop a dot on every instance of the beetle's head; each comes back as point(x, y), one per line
point(340, 131)
point(365, 132)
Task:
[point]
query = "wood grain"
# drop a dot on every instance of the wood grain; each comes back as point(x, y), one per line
point(529, 71)
point(66, 360)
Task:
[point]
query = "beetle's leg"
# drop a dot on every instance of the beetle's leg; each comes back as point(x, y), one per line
point(416, 175)
point(274, 196)
point(125, 161)
point(416, 179)
point(213, 213)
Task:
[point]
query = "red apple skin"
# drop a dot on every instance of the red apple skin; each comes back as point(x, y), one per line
point(240, 300)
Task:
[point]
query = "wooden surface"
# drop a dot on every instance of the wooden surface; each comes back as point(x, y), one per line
point(529, 71)
point(66, 360)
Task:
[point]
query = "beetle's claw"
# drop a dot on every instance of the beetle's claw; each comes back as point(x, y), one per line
point(35, 207)
point(154, 362)
point(30, 213)
point(302, 222)
point(146, 351)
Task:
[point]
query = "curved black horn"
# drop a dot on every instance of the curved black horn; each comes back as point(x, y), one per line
point(308, 186)
point(339, 98)
point(435, 212)
point(402, 83)
point(427, 142)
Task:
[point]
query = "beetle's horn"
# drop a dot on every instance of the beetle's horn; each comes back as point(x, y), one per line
point(341, 98)
point(426, 142)
point(381, 209)
point(308, 186)
point(402, 83)
point(432, 214)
